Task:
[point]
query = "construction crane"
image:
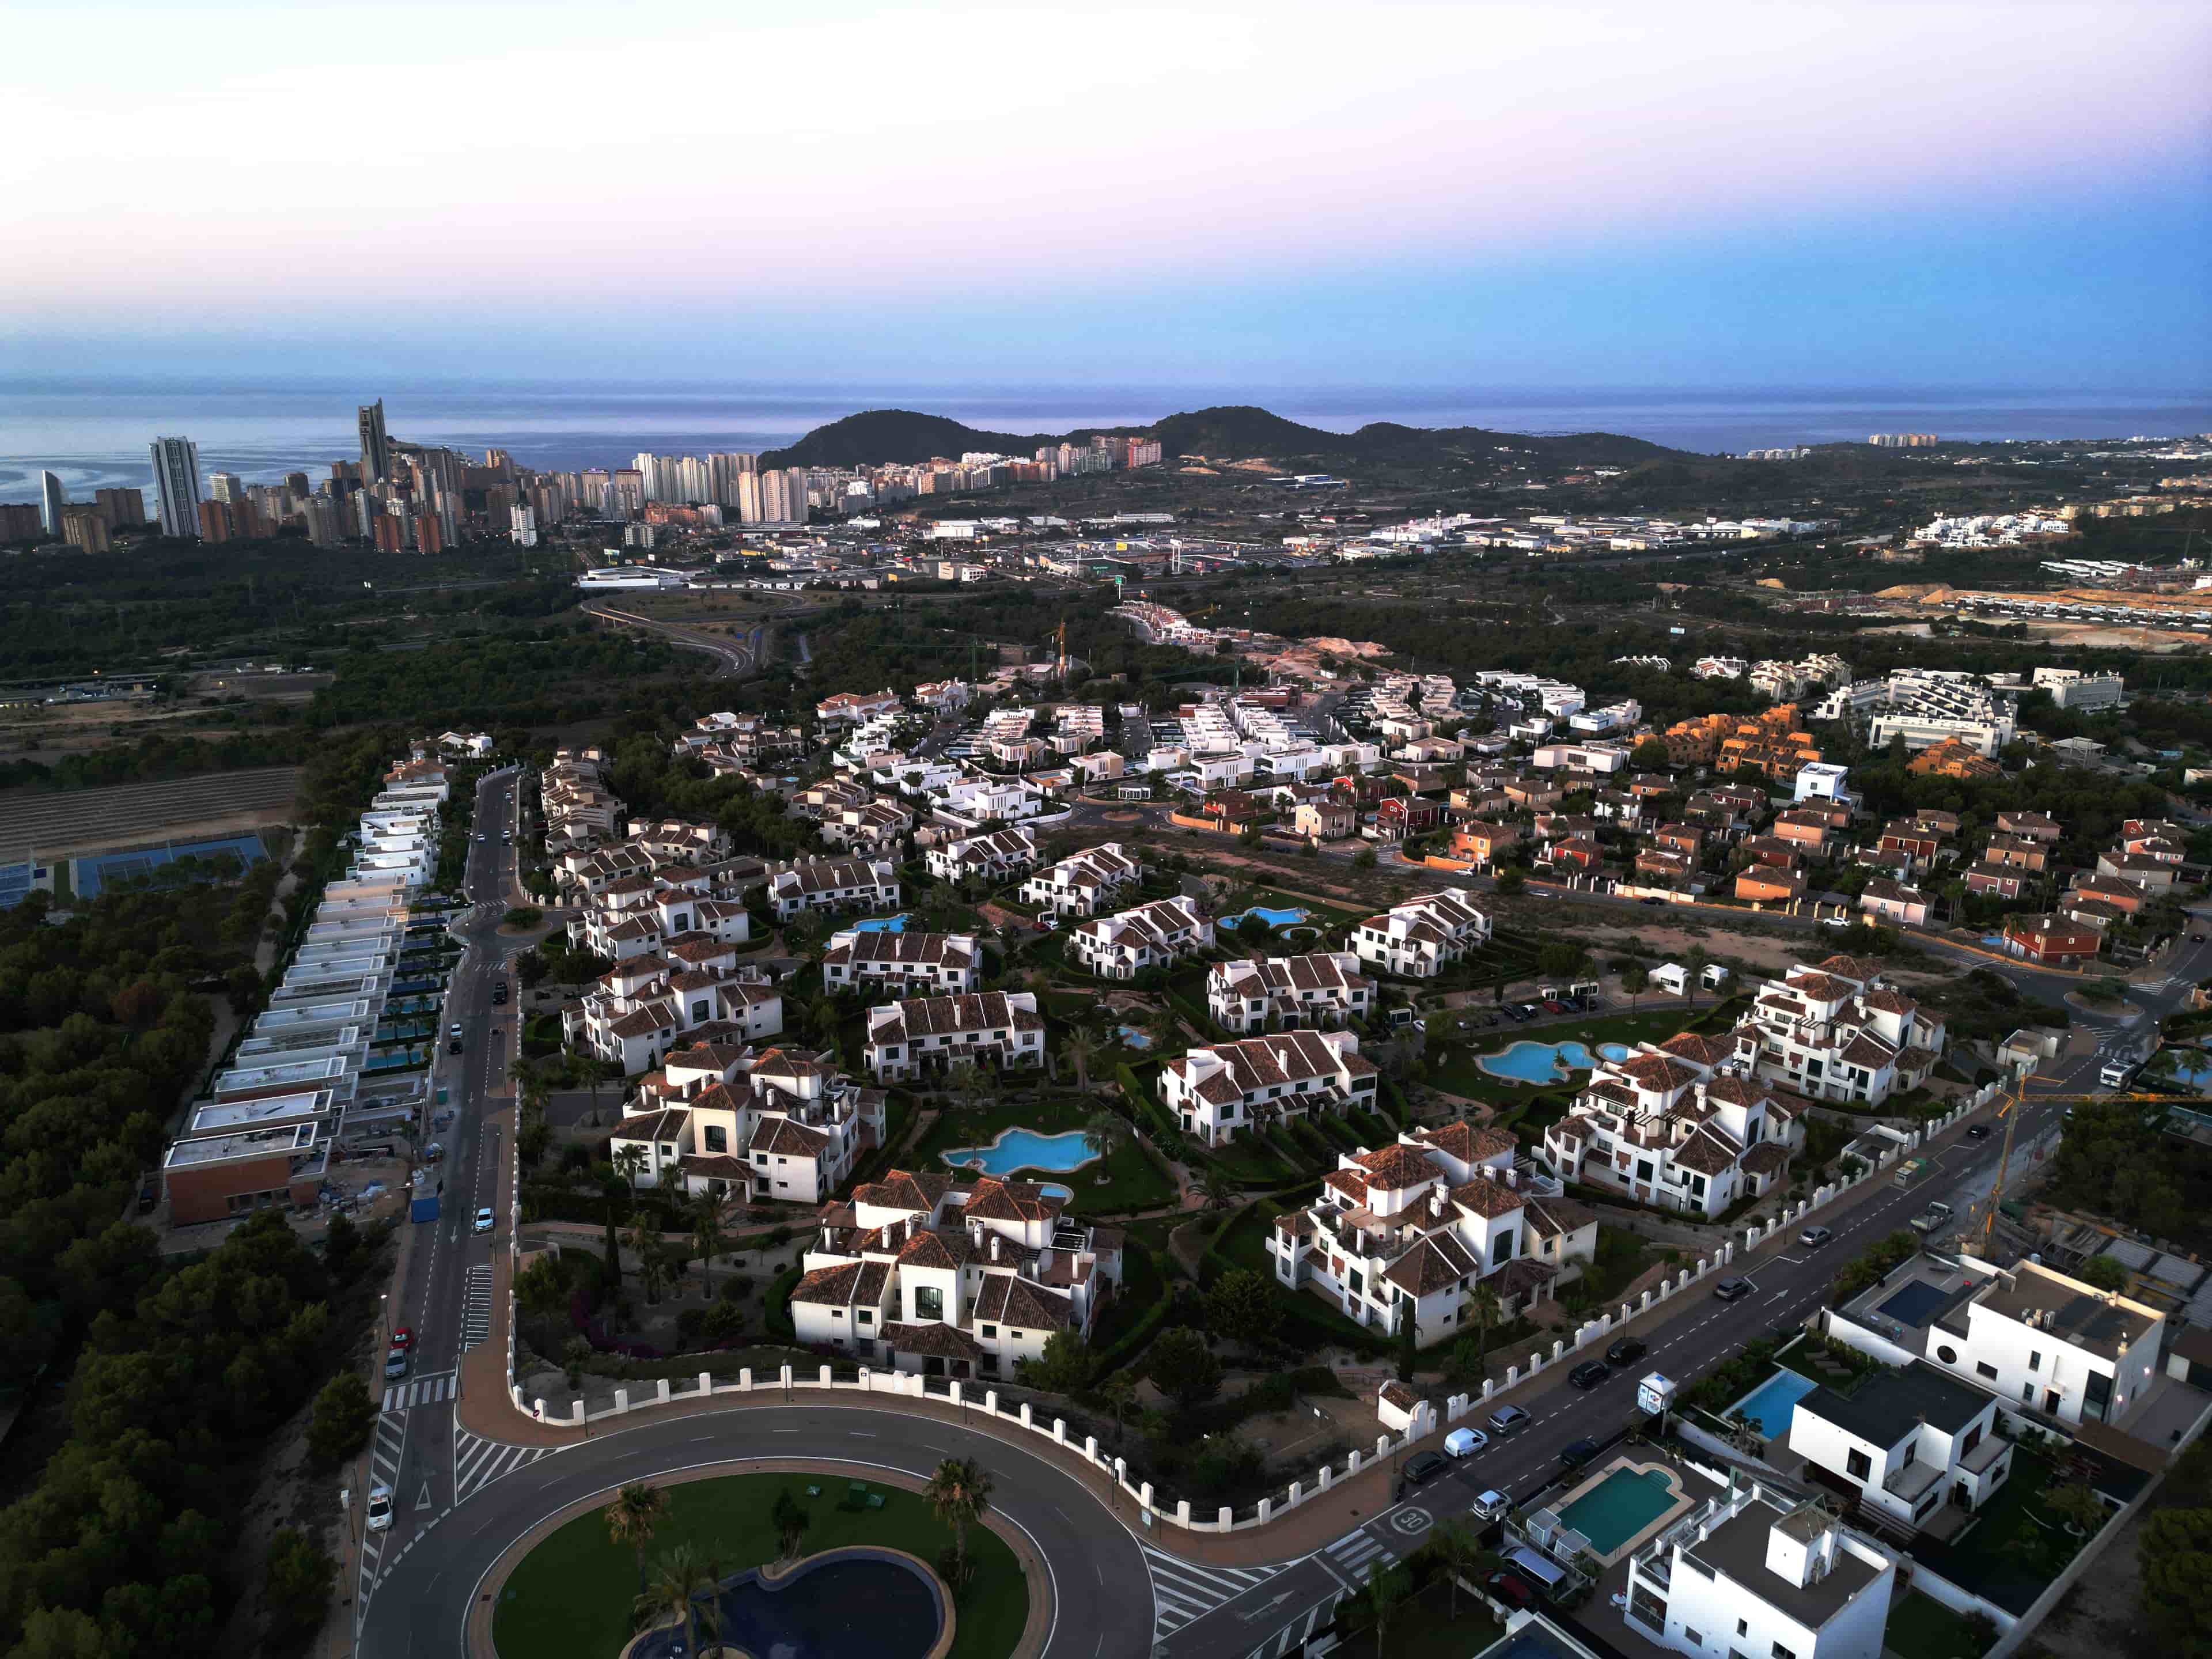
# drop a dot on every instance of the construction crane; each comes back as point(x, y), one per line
point(1981, 1237)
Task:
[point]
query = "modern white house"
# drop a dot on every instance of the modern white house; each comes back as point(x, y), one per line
point(1907, 1442)
point(1838, 1031)
point(900, 963)
point(641, 1008)
point(959, 1276)
point(2027, 1334)
point(996, 857)
point(1760, 1574)
point(924, 1034)
point(1416, 938)
point(1324, 989)
point(1125, 944)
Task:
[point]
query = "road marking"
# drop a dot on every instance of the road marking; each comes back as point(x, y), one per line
point(1183, 1590)
point(421, 1391)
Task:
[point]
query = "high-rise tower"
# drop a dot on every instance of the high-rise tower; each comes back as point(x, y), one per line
point(375, 444)
point(177, 477)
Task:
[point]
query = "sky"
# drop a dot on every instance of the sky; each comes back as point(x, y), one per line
point(1685, 195)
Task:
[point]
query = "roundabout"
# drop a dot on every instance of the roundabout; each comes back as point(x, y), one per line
point(1058, 1574)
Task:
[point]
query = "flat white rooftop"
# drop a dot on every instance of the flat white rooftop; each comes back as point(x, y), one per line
point(232, 1117)
point(284, 1139)
point(244, 1079)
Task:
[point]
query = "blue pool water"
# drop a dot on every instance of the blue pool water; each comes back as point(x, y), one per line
point(1272, 918)
point(1771, 1403)
point(855, 1603)
point(1547, 1062)
point(1133, 1036)
point(1024, 1148)
point(881, 925)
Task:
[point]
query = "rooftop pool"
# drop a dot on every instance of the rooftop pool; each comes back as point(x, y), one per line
point(1547, 1062)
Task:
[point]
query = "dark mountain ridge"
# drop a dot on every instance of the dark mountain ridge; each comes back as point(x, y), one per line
point(1231, 432)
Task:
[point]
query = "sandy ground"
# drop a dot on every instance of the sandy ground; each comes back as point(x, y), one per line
point(2100, 1616)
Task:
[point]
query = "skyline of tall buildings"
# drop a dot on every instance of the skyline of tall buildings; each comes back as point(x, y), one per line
point(177, 483)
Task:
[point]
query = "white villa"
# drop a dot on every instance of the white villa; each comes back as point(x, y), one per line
point(1416, 938)
point(1124, 945)
point(993, 858)
point(1839, 1031)
point(1679, 1125)
point(1083, 884)
point(921, 1035)
point(901, 962)
point(834, 885)
point(1406, 1231)
point(961, 1276)
point(691, 992)
point(1324, 989)
point(724, 1120)
point(1215, 1092)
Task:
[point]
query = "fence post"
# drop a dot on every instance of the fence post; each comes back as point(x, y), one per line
point(745, 1379)
point(825, 1377)
point(1182, 1512)
point(705, 1382)
point(621, 1400)
point(663, 1399)
point(576, 1410)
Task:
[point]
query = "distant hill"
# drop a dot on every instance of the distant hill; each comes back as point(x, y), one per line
point(1232, 431)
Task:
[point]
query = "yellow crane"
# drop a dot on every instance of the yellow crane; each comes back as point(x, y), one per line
point(1981, 1237)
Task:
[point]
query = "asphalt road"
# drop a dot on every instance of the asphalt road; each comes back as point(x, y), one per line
point(739, 655)
point(418, 1450)
point(1102, 1602)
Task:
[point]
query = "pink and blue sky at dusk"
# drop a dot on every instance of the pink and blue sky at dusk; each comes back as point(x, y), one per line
point(1686, 194)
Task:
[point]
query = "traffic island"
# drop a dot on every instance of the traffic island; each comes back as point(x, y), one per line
point(863, 1586)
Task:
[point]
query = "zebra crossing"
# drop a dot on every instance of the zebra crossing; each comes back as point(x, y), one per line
point(475, 1313)
point(1183, 1591)
point(478, 1462)
point(1351, 1556)
point(384, 1456)
point(421, 1391)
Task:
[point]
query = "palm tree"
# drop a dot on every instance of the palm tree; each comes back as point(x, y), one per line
point(637, 1510)
point(961, 1079)
point(1105, 1132)
point(1458, 1550)
point(1119, 1390)
point(959, 1492)
point(683, 1575)
point(1082, 1044)
point(629, 1163)
point(652, 1263)
point(791, 1521)
point(1220, 1191)
point(711, 1214)
point(1385, 1591)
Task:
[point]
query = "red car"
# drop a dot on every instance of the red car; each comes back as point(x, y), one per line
point(1551, 1007)
point(1514, 1592)
point(403, 1338)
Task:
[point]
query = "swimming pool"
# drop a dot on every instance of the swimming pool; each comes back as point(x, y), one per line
point(1547, 1062)
point(1624, 1502)
point(1133, 1036)
point(1024, 1149)
point(1772, 1402)
point(1273, 918)
point(881, 925)
point(850, 1603)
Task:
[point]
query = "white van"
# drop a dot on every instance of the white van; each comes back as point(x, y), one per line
point(1522, 1559)
point(2119, 1074)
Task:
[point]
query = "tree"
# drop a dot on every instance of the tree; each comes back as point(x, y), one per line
point(1459, 1553)
point(1409, 1342)
point(1220, 1190)
point(633, 1517)
point(1184, 1368)
point(1387, 1587)
point(791, 1521)
point(1364, 858)
point(1563, 959)
point(345, 1414)
point(1242, 1307)
point(711, 1215)
point(1635, 979)
point(1062, 1368)
point(959, 1492)
point(1694, 962)
point(680, 1577)
point(1119, 1390)
point(1648, 756)
point(342, 1246)
point(1486, 1311)
point(2076, 1503)
point(297, 1583)
point(1083, 1047)
point(1511, 879)
point(2104, 1271)
point(2175, 1557)
point(1105, 1132)
point(541, 1291)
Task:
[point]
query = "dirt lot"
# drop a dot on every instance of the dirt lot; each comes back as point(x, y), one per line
point(86, 820)
point(2100, 1616)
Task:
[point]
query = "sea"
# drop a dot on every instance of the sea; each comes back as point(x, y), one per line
point(95, 433)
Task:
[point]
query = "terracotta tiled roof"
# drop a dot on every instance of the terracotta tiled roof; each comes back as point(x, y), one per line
point(1007, 1298)
point(1469, 1143)
point(933, 1340)
point(829, 1287)
point(1487, 1198)
point(1396, 1167)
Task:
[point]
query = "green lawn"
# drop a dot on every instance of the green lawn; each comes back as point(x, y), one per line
point(1921, 1627)
point(571, 1595)
point(1422, 1627)
point(2014, 1550)
point(1133, 1181)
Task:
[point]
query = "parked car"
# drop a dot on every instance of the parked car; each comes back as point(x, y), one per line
point(1554, 1006)
point(1424, 1466)
point(404, 1338)
point(1977, 1132)
point(1813, 1238)
point(2197, 939)
point(395, 1364)
point(484, 1219)
point(1514, 1592)
point(454, 1046)
point(1506, 1419)
point(1589, 1374)
point(1651, 901)
point(1465, 1442)
point(452, 1030)
point(379, 1510)
point(1490, 1506)
point(1579, 1453)
point(1626, 1352)
point(1733, 1289)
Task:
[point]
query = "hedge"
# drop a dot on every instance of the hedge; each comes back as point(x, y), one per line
point(1131, 1341)
point(779, 1302)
